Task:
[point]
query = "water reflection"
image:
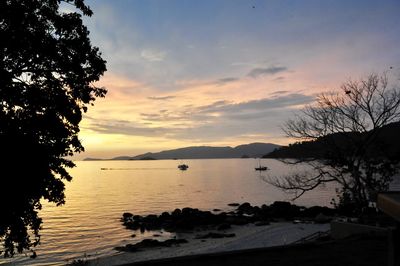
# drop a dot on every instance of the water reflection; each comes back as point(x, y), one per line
point(89, 222)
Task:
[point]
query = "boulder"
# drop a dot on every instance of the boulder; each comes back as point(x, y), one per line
point(223, 226)
point(237, 220)
point(127, 215)
point(246, 208)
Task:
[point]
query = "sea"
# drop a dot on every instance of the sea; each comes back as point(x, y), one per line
point(89, 224)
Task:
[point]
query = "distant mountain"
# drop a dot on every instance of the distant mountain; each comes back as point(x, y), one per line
point(387, 144)
point(206, 152)
point(121, 158)
point(92, 159)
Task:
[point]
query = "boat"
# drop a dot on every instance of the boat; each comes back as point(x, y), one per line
point(261, 168)
point(183, 167)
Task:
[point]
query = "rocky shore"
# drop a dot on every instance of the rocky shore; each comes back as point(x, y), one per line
point(281, 233)
point(213, 224)
point(199, 242)
point(191, 218)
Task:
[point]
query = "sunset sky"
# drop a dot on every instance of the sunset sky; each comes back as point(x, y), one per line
point(224, 73)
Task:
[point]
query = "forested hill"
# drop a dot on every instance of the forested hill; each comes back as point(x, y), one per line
point(387, 144)
point(205, 152)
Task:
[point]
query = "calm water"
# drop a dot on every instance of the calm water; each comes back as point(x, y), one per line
point(89, 223)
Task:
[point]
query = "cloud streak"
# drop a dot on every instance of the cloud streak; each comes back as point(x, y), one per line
point(222, 113)
point(224, 81)
point(285, 101)
point(258, 72)
point(161, 98)
point(153, 55)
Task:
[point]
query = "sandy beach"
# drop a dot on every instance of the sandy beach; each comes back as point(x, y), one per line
point(246, 237)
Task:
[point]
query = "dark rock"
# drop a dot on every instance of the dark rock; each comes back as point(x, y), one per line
point(127, 215)
point(176, 212)
point(151, 222)
point(223, 226)
point(137, 218)
point(189, 211)
point(165, 216)
point(246, 208)
point(150, 243)
point(281, 205)
point(322, 218)
point(315, 210)
point(128, 248)
point(261, 215)
point(133, 235)
point(214, 235)
point(134, 225)
point(222, 214)
point(188, 219)
point(237, 220)
point(233, 204)
point(150, 218)
point(216, 210)
point(283, 209)
point(173, 242)
point(262, 223)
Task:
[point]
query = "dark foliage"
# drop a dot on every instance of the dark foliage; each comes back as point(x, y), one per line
point(386, 145)
point(47, 69)
point(350, 138)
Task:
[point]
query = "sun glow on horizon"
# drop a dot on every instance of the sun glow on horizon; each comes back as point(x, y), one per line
point(177, 80)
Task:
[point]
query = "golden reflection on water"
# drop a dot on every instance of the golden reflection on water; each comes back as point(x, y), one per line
point(89, 223)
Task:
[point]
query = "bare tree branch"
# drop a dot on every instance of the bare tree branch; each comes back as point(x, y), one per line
point(346, 127)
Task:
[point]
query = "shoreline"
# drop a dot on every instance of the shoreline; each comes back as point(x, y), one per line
point(247, 236)
point(191, 231)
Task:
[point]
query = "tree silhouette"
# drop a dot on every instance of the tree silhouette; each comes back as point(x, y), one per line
point(347, 141)
point(47, 69)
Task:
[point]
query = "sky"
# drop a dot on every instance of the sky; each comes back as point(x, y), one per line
point(224, 73)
